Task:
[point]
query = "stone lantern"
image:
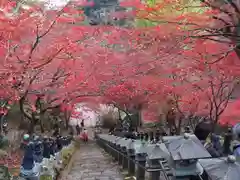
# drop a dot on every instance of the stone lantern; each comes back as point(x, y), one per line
point(131, 157)
point(124, 145)
point(140, 157)
point(155, 155)
point(120, 142)
point(227, 168)
point(185, 151)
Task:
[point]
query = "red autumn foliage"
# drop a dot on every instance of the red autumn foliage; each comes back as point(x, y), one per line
point(187, 47)
point(47, 55)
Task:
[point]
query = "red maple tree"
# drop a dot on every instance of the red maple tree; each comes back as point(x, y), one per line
point(39, 51)
point(48, 60)
point(186, 44)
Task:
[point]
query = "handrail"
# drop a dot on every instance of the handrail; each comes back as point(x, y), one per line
point(149, 169)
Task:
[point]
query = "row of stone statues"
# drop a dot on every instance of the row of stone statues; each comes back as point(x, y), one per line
point(176, 157)
point(217, 145)
point(42, 156)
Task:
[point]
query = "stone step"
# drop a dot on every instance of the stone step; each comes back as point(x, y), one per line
point(91, 163)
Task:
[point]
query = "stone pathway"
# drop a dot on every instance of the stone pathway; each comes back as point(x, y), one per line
point(91, 163)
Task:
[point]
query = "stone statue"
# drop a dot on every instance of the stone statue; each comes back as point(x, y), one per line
point(46, 148)
point(38, 151)
point(28, 159)
point(28, 169)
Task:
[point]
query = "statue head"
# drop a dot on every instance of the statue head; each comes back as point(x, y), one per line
point(26, 137)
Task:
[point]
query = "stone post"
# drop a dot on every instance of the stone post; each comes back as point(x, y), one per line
point(111, 151)
point(227, 142)
point(140, 157)
point(131, 158)
point(146, 137)
point(154, 166)
point(107, 144)
point(119, 154)
point(123, 150)
point(124, 158)
point(115, 153)
point(151, 136)
point(141, 163)
point(141, 136)
point(157, 136)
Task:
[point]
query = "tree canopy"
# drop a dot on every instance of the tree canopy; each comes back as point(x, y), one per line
point(49, 60)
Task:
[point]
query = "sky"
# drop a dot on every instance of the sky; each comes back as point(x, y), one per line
point(55, 3)
point(89, 116)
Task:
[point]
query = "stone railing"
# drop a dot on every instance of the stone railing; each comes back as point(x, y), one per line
point(172, 157)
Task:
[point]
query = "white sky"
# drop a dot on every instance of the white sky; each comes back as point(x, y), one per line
point(88, 115)
point(55, 3)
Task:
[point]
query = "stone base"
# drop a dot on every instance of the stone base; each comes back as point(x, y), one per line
point(46, 177)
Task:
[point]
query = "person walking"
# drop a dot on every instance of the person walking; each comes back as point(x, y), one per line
point(78, 130)
point(85, 135)
point(82, 123)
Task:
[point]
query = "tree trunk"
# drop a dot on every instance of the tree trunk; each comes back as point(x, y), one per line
point(127, 114)
point(31, 119)
point(214, 124)
point(179, 126)
point(119, 114)
point(66, 119)
point(171, 121)
point(66, 124)
point(21, 108)
point(41, 126)
point(33, 123)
